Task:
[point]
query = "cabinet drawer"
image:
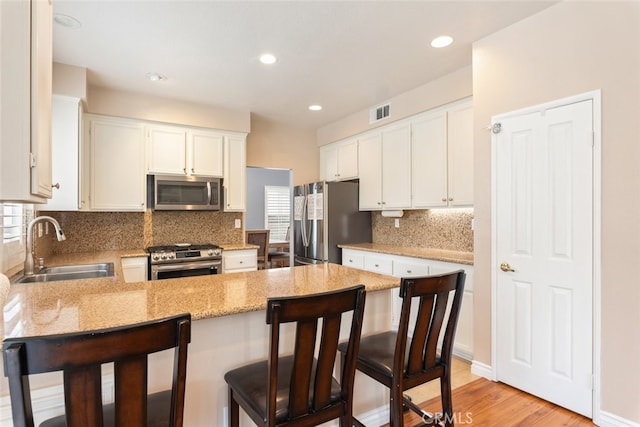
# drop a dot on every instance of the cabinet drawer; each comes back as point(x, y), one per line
point(240, 261)
point(406, 269)
point(353, 260)
point(378, 265)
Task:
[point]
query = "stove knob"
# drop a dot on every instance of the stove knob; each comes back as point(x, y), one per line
point(171, 256)
point(217, 252)
point(210, 252)
point(163, 256)
point(156, 257)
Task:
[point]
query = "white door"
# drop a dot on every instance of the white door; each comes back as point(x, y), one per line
point(543, 232)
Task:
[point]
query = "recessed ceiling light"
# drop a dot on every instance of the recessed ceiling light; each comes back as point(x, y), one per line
point(155, 77)
point(67, 21)
point(441, 41)
point(268, 58)
point(315, 107)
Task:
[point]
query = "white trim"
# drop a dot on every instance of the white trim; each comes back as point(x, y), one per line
point(482, 370)
point(610, 420)
point(595, 97)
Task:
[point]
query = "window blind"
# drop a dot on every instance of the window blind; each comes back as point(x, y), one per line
point(277, 202)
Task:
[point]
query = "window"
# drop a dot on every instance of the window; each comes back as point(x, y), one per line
point(277, 211)
point(14, 218)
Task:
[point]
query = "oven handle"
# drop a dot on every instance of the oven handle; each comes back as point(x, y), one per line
point(185, 266)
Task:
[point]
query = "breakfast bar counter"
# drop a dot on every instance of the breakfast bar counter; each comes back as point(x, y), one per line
point(229, 327)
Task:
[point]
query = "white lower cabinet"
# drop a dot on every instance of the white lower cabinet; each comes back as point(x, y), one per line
point(402, 266)
point(240, 260)
point(134, 269)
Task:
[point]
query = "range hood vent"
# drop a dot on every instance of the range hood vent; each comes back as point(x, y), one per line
point(379, 113)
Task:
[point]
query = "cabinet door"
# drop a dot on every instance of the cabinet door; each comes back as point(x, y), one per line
point(329, 162)
point(347, 160)
point(234, 173)
point(460, 155)
point(41, 93)
point(65, 160)
point(167, 150)
point(117, 165)
point(370, 171)
point(25, 55)
point(134, 269)
point(205, 153)
point(429, 160)
point(396, 170)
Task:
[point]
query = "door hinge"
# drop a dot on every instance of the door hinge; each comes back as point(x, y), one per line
point(496, 128)
point(32, 160)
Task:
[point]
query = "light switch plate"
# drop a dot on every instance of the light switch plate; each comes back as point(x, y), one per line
point(238, 223)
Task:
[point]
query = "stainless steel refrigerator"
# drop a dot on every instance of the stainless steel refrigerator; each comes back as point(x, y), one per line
point(325, 215)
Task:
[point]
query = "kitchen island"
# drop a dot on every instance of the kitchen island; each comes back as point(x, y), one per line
point(228, 331)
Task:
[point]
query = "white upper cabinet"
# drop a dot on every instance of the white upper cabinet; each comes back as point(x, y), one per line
point(442, 168)
point(235, 181)
point(460, 154)
point(167, 152)
point(25, 100)
point(429, 160)
point(66, 160)
point(177, 150)
point(339, 161)
point(117, 180)
point(384, 168)
point(205, 153)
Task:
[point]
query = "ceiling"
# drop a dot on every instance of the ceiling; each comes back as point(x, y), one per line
point(347, 56)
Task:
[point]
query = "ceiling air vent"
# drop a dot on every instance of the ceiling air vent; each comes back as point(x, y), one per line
point(379, 113)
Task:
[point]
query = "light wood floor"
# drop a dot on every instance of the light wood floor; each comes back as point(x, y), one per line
point(480, 402)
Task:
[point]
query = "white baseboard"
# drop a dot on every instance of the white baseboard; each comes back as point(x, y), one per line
point(375, 417)
point(482, 370)
point(607, 419)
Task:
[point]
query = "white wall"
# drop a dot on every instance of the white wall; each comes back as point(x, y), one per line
point(572, 48)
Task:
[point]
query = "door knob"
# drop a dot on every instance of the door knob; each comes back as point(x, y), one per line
point(506, 267)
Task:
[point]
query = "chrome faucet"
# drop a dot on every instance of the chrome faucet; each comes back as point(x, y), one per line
point(28, 262)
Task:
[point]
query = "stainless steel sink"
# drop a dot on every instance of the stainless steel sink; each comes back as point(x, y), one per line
point(69, 272)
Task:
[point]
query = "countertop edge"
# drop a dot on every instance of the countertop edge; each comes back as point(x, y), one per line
point(423, 253)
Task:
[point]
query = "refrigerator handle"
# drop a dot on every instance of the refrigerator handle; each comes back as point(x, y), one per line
point(303, 222)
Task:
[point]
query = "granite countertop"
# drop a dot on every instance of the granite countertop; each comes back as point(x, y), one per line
point(426, 253)
point(79, 305)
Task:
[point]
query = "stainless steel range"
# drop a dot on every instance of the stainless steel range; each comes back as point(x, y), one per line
point(184, 260)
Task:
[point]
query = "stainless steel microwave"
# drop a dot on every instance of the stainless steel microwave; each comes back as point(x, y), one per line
point(178, 193)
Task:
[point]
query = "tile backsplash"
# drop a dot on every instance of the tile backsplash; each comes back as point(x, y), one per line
point(105, 231)
point(435, 228)
point(98, 231)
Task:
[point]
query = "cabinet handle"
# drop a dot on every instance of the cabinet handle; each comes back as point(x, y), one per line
point(444, 199)
point(193, 170)
point(409, 271)
point(376, 265)
point(451, 199)
point(184, 170)
point(384, 203)
point(351, 260)
point(56, 186)
point(241, 262)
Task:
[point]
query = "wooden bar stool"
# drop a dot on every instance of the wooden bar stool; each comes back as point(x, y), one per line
point(400, 361)
point(80, 356)
point(299, 389)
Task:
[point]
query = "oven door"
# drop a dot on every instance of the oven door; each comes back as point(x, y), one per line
point(185, 269)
